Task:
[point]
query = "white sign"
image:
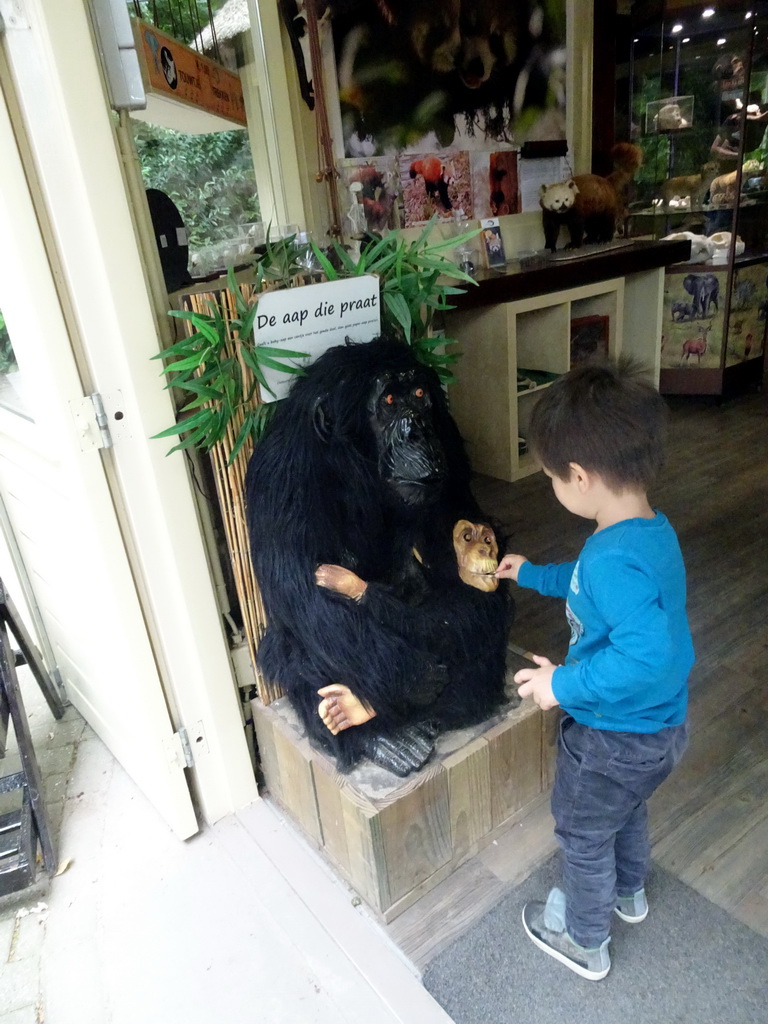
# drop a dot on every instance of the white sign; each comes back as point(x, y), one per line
point(313, 318)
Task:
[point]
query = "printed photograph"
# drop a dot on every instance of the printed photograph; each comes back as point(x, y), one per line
point(435, 184)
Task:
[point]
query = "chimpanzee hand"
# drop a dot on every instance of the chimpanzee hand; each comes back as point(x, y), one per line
point(343, 581)
point(403, 751)
point(340, 708)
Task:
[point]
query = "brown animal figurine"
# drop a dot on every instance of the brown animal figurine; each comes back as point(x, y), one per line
point(589, 205)
point(694, 185)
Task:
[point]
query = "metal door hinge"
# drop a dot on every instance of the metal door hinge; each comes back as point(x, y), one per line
point(100, 420)
point(179, 750)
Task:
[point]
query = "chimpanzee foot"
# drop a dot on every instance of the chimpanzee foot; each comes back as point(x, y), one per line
point(404, 751)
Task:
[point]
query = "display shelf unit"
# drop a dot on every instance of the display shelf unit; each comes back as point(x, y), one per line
point(710, 180)
point(534, 334)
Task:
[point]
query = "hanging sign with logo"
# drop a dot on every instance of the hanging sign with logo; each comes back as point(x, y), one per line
point(177, 72)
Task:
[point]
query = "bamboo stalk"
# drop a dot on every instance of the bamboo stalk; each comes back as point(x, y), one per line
point(230, 489)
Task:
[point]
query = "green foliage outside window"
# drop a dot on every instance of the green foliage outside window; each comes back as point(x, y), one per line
point(8, 362)
point(183, 19)
point(209, 177)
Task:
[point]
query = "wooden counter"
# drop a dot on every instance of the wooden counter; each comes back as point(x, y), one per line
point(552, 272)
point(518, 323)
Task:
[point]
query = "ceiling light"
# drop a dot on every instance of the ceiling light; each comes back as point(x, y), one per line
point(721, 42)
point(687, 39)
point(677, 28)
point(708, 12)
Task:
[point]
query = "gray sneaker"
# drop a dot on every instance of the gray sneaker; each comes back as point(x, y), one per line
point(632, 908)
point(593, 964)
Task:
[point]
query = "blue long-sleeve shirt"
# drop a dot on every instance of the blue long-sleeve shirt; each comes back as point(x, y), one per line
point(631, 651)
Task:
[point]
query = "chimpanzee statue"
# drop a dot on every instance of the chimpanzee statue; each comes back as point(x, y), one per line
point(385, 622)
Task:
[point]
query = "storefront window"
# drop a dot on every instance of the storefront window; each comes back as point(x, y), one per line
point(209, 177)
point(11, 391)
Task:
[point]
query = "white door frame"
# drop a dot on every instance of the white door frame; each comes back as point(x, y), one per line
point(85, 216)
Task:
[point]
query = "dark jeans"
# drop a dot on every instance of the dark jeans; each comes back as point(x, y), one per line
point(602, 782)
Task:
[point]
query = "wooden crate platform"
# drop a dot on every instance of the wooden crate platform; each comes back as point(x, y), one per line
point(394, 839)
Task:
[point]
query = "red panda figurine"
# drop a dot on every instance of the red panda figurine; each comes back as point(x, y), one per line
point(435, 176)
point(589, 205)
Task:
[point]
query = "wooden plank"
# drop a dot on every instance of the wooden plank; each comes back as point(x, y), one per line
point(415, 834)
point(439, 917)
point(550, 721)
point(330, 807)
point(515, 761)
point(469, 794)
point(526, 841)
point(297, 786)
point(366, 852)
point(263, 724)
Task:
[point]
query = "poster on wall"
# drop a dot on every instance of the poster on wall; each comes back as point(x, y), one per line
point(434, 74)
point(495, 187)
point(373, 183)
point(436, 185)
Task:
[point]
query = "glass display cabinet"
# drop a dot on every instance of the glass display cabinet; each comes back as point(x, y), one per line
point(693, 94)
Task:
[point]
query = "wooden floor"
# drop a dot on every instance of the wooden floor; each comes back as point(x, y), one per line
point(709, 821)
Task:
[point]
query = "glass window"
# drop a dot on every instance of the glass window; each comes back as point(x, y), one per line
point(11, 385)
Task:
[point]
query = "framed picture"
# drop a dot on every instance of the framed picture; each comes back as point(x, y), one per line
point(492, 242)
point(589, 339)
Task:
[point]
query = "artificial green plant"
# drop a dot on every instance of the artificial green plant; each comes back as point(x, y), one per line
point(413, 288)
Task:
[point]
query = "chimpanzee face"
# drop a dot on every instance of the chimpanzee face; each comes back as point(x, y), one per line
point(477, 554)
point(411, 458)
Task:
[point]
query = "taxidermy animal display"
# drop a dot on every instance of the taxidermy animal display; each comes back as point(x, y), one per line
point(694, 185)
point(437, 177)
point(722, 191)
point(385, 624)
point(588, 204)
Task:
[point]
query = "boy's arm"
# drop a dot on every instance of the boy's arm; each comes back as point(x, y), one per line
point(639, 655)
point(551, 580)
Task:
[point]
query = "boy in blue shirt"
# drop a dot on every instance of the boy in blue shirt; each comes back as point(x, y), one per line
point(598, 433)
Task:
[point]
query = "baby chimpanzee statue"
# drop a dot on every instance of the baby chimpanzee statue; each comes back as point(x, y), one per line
point(385, 622)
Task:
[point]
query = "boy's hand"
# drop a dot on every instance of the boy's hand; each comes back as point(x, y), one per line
point(509, 567)
point(537, 683)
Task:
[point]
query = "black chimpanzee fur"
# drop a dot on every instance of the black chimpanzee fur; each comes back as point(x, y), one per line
point(425, 650)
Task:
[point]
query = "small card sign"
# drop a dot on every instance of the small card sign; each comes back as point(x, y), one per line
point(494, 247)
point(313, 318)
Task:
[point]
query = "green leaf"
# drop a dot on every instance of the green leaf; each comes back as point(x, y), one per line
point(234, 287)
point(251, 361)
point(399, 309)
point(271, 351)
point(325, 263)
point(274, 364)
point(184, 425)
point(202, 322)
point(246, 431)
point(245, 330)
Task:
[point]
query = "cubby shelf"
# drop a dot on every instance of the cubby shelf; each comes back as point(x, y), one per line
point(534, 335)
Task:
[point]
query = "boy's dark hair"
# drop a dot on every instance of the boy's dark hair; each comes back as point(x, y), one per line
point(606, 418)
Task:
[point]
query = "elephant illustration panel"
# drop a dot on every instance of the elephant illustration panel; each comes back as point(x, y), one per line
point(747, 315)
point(693, 324)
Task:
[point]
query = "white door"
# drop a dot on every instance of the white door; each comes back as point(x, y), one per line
point(55, 489)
